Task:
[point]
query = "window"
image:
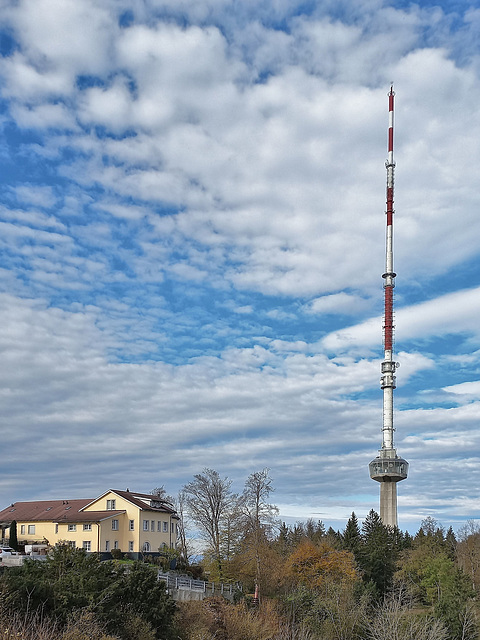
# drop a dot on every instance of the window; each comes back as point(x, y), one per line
point(146, 547)
point(22, 530)
point(110, 505)
point(107, 545)
point(56, 528)
point(131, 525)
point(171, 527)
point(87, 545)
point(114, 525)
point(153, 526)
point(115, 544)
point(72, 527)
point(145, 525)
point(31, 529)
point(130, 545)
point(159, 526)
point(72, 543)
point(87, 527)
point(165, 527)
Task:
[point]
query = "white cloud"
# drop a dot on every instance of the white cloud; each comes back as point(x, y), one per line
point(198, 184)
point(245, 309)
point(39, 196)
point(470, 389)
point(452, 313)
point(338, 303)
point(44, 116)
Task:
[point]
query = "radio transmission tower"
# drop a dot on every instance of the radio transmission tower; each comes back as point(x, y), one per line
point(388, 468)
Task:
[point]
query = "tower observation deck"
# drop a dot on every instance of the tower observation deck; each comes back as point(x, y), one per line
point(388, 468)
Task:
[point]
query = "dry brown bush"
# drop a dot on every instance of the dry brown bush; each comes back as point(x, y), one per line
point(294, 632)
point(15, 629)
point(214, 618)
point(249, 624)
point(84, 626)
point(36, 627)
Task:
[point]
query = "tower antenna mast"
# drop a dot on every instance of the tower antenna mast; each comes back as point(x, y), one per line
point(387, 468)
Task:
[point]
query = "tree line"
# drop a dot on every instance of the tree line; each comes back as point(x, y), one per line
point(365, 582)
point(338, 584)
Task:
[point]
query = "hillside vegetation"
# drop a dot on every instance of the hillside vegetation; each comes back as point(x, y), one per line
point(366, 582)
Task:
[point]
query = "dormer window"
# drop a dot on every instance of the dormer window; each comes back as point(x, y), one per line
point(110, 505)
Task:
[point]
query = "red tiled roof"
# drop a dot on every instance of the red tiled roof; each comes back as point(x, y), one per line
point(72, 510)
point(53, 511)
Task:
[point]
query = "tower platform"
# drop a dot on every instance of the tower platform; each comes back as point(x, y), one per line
point(388, 468)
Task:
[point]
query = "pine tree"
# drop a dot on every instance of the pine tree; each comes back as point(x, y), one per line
point(282, 542)
point(450, 544)
point(314, 531)
point(407, 540)
point(378, 553)
point(333, 538)
point(351, 537)
point(13, 540)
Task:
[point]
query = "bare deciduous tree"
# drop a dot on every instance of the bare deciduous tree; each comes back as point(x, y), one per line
point(161, 494)
point(468, 551)
point(186, 550)
point(208, 499)
point(259, 514)
point(394, 619)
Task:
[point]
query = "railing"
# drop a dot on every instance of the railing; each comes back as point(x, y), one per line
point(188, 584)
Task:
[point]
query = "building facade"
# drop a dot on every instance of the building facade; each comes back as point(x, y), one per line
point(134, 523)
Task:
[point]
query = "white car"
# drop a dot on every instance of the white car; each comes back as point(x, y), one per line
point(6, 552)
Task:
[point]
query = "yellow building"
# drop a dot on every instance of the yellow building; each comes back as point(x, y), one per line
point(133, 522)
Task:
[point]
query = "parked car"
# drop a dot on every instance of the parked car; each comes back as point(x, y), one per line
point(6, 552)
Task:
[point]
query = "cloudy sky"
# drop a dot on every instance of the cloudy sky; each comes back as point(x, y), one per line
point(192, 242)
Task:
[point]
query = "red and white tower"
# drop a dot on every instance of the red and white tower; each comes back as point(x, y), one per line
point(388, 468)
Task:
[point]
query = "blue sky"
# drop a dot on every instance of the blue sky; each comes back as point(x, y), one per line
point(192, 242)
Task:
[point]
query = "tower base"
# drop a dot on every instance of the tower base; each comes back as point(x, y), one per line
point(388, 503)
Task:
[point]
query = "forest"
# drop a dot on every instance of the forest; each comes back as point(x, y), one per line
point(365, 582)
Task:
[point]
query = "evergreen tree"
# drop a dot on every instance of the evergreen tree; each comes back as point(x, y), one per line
point(450, 544)
point(431, 533)
point(378, 553)
point(297, 534)
point(351, 537)
point(407, 540)
point(433, 579)
point(282, 543)
point(333, 538)
point(70, 581)
point(314, 531)
point(13, 540)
